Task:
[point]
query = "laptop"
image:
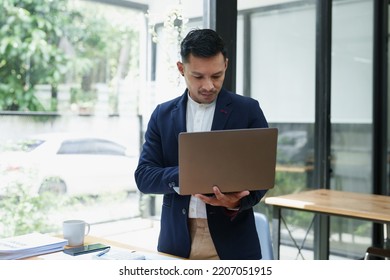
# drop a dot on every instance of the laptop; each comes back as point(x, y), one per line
point(233, 160)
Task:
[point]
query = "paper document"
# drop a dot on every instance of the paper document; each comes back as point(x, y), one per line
point(28, 245)
point(123, 254)
point(116, 254)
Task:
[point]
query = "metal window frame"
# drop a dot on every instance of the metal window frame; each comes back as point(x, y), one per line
point(322, 126)
point(380, 179)
point(221, 16)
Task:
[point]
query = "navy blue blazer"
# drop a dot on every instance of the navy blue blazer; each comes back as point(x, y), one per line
point(235, 237)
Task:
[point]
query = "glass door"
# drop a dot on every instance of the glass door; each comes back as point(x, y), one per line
point(351, 119)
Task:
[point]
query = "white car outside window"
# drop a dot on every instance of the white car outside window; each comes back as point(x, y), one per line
point(70, 164)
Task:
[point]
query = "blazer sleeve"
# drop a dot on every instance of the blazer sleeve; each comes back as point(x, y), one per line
point(156, 173)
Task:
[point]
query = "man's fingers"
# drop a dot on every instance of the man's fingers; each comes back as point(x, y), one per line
point(221, 199)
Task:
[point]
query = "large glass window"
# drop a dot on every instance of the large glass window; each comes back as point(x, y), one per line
point(70, 79)
point(351, 117)
point(168, 25)
point(282, 75)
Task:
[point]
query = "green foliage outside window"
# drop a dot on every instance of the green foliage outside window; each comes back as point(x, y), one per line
point(53, 42)
point(29, 55)
point(23, 212)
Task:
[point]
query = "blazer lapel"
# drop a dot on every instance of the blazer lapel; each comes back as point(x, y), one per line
point(178, 115)
point(223, 109)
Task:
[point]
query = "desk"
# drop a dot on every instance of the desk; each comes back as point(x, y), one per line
point(294, 169)
point(114, 244)
point(375, 208)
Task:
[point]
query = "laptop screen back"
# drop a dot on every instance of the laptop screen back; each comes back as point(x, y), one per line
point(233, 160)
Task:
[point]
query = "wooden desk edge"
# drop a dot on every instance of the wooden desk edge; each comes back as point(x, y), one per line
point(289, 201)
point(94, 239)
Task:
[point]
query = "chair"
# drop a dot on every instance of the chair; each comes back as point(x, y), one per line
point(264, 233)
point(376, 252)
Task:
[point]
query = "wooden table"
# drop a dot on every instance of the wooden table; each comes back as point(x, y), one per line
point(294, 169)
point(375, 208)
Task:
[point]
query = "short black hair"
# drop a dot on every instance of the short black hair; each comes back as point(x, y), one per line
point(202, 43)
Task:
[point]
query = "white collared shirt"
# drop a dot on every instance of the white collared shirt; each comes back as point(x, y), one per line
point(199, 118)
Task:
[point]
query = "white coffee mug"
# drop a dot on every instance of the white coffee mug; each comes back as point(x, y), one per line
point(74, 231)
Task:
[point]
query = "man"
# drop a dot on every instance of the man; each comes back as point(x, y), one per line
point(200, 227)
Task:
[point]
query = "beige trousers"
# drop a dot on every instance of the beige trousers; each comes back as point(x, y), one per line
point(202, 246)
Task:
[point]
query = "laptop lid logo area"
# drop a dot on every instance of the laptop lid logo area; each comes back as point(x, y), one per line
point(233, 160)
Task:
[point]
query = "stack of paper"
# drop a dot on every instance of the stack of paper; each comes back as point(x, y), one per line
point(28, 245)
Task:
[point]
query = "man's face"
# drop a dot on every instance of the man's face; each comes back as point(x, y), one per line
point(204, 76)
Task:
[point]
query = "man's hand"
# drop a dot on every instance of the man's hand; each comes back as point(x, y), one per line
point(228, 200)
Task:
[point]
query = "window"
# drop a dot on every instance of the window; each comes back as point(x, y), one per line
point(88, 80)
point(351, 126)
point(281, 67)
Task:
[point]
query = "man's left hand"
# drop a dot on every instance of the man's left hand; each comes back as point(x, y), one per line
point(228, 200)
